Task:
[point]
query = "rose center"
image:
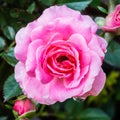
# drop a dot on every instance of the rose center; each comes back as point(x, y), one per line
point(62, 58)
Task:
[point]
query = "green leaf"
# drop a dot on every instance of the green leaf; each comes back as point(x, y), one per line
point(93, 114)
point(26, 17)
point(113, 54)
point(102, 9)
point(48, 2)
point(14, 13)
point(3, 118)
point(29, 114)
point(11, 88)
point(117, 2)
point(2, 20)
point(21, 3)
point(100, 21)
point(95, 3)
point(9, 57)
point(78, 5)
point(10, 1)
point(31, 8)
point(73, 107)
point(9, 32)
point(2, 43)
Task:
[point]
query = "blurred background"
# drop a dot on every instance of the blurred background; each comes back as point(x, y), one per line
point(15, 14)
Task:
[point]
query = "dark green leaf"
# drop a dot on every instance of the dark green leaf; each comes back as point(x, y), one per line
point(113, 54)
point(73, 107)
point(10, 1)
point(48, 2)
point(109, 107)
point(56, 107)
point(26, 17)
point(117, 1)
point(11, 88)
point(9, 57)
point(21, 2)
point(14, 13)
point(2, 43)
point(9, 32)
point(93, 114)
point(78, 5)
point(31, 8)
point(2, 20)
point(95, 3)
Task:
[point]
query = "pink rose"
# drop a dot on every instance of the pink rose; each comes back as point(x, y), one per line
point(60, 56)
point(112, 22)
point(23, 106)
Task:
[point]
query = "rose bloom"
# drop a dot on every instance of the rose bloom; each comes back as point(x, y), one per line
point(23, 106)
point(112, 21)
point(60, 56)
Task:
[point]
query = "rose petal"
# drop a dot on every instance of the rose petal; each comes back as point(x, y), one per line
point(41, 75)
point(31, 56)
point(23, 40)
point(87, 21)
point(61, 27)
point(78, 42)
point(94, 69)
point(99, 47)
point(21, 48)
point(56, 12)
point(31, 87)
point(97, 85)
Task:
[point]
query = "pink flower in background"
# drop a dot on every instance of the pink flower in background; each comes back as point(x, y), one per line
point(23, 106)
point(60, 56)
point(112, 22)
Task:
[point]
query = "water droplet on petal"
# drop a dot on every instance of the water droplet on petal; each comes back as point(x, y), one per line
point(78, 99)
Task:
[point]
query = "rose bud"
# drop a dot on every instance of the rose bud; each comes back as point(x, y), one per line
point(112, 22)
point(23, 106)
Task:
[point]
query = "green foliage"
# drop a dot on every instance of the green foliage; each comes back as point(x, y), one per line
point(102, 9)
point(72, 110)
point(93, 114)
point(2, 43)
point(9, 32)
point(11, 88)
point(95, 3)
point(9, 57)
point(100, 21)
point(2, 19)
point(31, 8)
point(113, 54)
point(117, 1)
point(81, 5)
point(48, 2)
point(3, 118)
point(76, 4)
